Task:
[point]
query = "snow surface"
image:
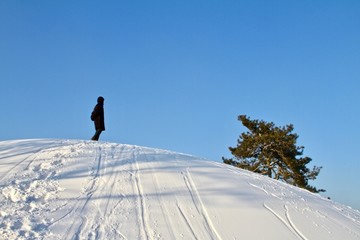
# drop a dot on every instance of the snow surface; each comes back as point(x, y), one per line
point(71, 189)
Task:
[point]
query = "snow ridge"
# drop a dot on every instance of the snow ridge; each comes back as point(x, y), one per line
point(71, 189)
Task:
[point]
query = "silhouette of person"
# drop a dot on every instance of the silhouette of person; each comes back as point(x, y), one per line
point(98, 117)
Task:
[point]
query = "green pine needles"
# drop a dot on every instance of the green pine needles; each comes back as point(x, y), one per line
point(272, 151)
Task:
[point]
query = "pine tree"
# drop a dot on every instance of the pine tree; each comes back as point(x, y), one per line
point(272, 151)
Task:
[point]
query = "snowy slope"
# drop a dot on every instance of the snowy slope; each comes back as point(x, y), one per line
point(67, 189)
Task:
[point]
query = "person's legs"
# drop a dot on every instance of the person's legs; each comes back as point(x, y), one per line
point(96, 135)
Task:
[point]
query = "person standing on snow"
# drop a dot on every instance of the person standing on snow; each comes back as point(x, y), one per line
point(98, 117)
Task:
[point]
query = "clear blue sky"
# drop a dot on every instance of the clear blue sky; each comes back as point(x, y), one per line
point(176, 74)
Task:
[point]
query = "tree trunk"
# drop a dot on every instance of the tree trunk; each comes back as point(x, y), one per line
point(269, 172)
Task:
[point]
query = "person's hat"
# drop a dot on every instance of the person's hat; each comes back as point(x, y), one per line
point(100, 99)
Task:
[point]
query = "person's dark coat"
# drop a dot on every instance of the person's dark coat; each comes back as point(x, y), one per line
point(98, 116)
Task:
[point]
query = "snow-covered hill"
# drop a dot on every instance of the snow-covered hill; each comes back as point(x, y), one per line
point(67, 189)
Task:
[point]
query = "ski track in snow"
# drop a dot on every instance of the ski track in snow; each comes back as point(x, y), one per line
point(200, 207)
point(286, 222)
point(297, 203)
point(164, 209)
point(70, 189)
point(142, 214)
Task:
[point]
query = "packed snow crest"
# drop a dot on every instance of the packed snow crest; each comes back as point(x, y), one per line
point(71, 189)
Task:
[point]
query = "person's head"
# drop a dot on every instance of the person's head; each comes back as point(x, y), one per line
point(100, 99)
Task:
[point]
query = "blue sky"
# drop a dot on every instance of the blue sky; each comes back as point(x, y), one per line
point(176, 74)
